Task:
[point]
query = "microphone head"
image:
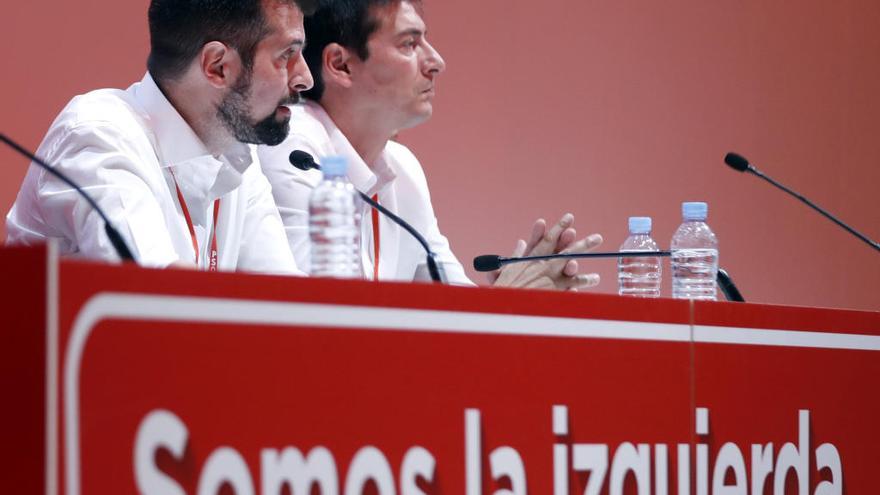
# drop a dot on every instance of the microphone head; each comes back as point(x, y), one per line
point(737, 162)
point(302, 160)
point(487, 263)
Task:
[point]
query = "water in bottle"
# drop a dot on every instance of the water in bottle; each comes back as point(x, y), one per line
point(639, 276)
point(334, 223)
point(694, 255)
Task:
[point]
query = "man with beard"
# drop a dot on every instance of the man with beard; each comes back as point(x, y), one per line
point(170, 159)
point(374, 74)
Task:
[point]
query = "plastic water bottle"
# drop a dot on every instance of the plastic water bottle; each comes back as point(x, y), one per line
point(335, 223)
point(639, 276)
point(694, 255)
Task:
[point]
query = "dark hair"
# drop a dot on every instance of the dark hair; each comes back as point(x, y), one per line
point(347, 22)
point(180, 28)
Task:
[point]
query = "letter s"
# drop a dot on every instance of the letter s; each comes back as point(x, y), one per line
point(159, 429)
point(417, 462)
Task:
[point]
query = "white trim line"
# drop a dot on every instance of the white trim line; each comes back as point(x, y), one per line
point(785, 338)
point(51, 415)
point(209, 310)
point(215, 310)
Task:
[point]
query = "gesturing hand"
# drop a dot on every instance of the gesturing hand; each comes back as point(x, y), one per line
point(560, 274)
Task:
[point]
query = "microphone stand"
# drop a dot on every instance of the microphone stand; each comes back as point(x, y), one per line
point(728, 288)
point(438, 274)
point(829, 216)
point(624, 254)
point(740, 164)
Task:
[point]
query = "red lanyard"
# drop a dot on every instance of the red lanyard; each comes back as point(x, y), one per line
point(375, 240)
point(212, 255)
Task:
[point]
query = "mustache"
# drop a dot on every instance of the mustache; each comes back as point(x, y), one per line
point(292, 99)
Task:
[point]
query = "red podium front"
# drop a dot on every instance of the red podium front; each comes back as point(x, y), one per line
point(126, 380)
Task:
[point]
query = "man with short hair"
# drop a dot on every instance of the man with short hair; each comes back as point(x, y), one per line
point(171, 159)
point(374, 74)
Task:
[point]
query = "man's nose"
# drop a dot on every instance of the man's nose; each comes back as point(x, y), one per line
point(300, 77)
point(434, 63)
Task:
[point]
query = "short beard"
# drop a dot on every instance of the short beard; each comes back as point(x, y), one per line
point(234, 111)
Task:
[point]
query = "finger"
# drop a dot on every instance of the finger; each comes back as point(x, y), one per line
point(550, 239)
point(538, 231)
point(582, 281)
point(584, 245)
point(542, 283)
point(183, 265)
point(520, 249)
point(588, 243)
point(571, 268)
point(506, 275)
point(565, 239)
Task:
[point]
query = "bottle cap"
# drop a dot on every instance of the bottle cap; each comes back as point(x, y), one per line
point(694, 210)
point(334, 166)
point(639, 225)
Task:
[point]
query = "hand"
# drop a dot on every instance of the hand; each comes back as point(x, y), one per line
point(547, 245)
point(183, 265)
point(560, 274)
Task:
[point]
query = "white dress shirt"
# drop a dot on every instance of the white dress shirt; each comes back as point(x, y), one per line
point(122, 147)
point(396, 177)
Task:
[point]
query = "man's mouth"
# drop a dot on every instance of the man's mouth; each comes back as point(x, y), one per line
point(282, 111)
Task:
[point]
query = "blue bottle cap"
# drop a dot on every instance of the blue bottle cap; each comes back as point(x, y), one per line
point(694, 210)
point(334, 166)
point(639, 225)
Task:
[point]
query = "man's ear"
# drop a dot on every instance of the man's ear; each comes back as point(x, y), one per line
point(336, 65)
point(219, 64)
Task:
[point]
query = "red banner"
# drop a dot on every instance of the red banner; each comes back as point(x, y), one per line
point(181, 382)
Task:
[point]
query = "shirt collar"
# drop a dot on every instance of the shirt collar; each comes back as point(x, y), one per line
point(199, 175)
point(371, 180)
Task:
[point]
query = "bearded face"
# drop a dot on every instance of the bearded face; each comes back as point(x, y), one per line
point(236, 113)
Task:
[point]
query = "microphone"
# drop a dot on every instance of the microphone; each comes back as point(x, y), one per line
point(305, 162)
point(491, 262)
point(115, 238)
point(740, 164)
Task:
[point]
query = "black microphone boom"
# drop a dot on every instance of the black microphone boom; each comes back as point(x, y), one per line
point(115, 238)
point(728, 288)
point(438, 274)
point(490, 262)
point(739, 163)
point(304, 161)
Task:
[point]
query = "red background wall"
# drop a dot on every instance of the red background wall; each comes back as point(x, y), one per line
point(603, 108)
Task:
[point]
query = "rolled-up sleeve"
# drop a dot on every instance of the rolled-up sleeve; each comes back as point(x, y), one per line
point(264, 247)
point(107, 166)
point(291, 189)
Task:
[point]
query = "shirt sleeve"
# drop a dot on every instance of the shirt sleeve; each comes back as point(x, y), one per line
point(109, 166)
point(455, 273)
point(291, 189)
point(264, 246)
point(438, 243)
